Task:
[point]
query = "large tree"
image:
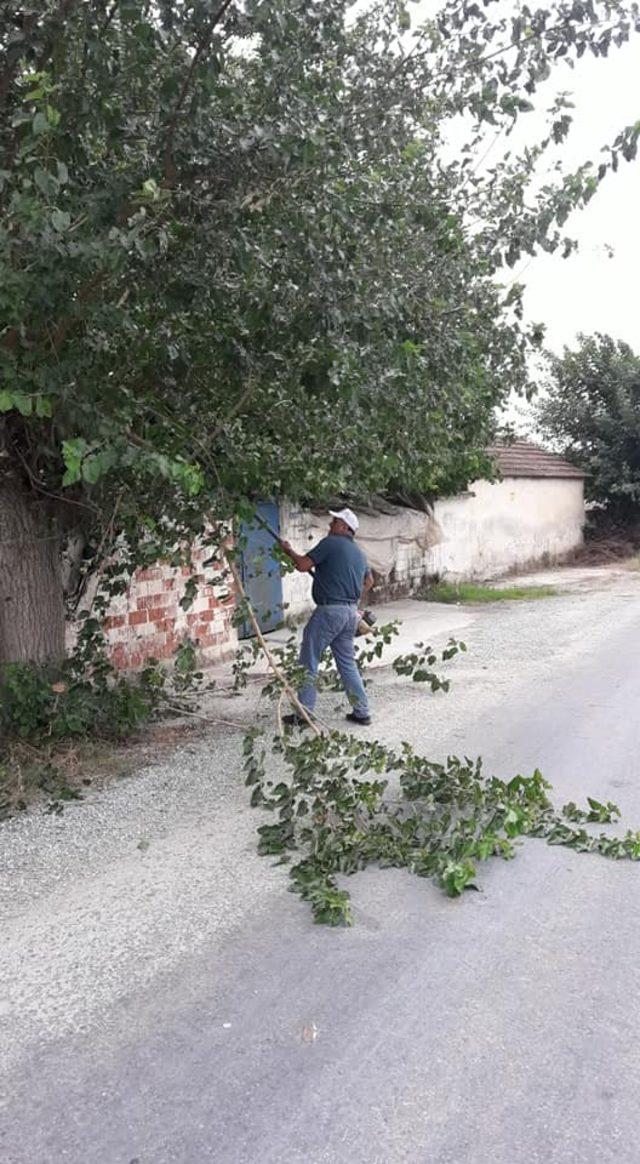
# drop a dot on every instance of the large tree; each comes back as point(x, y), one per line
point(237, 258)
point(591, 411)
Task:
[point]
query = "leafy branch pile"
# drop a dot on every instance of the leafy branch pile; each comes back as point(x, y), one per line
point(333, 816)
point(342, 803)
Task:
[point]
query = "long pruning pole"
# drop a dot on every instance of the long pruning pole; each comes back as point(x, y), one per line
point(278, 672)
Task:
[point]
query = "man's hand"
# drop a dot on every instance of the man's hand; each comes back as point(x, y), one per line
point(301, 562)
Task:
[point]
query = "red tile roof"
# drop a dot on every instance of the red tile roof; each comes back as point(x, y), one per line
point(522, 459)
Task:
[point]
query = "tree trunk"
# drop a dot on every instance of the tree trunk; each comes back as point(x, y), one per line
point(32, 619)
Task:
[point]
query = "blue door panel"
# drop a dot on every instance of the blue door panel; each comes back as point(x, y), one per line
point(261, 576)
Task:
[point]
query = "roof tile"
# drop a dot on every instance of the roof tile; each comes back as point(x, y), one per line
point(523, 459)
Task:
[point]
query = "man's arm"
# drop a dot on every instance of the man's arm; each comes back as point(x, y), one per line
point(366, 585)
point(302, 562)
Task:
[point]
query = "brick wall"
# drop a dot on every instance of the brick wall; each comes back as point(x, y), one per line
point(148, 621)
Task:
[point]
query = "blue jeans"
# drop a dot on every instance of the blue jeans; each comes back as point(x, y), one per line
point(335, 627)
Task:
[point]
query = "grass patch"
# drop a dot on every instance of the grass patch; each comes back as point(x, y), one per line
point(452, 592)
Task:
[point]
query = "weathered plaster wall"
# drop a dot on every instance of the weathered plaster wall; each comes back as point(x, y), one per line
point(297, 526)
point(509, 523)
point(484, 533)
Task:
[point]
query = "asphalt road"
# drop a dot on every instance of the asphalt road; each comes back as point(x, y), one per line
point(503, 1028)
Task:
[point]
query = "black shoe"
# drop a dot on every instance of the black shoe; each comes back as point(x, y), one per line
point(353, 718)
point(295, 720)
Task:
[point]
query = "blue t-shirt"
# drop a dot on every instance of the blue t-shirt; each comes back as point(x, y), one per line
point(340, 570)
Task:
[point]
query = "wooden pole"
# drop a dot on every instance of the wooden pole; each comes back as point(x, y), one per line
point(278, 672)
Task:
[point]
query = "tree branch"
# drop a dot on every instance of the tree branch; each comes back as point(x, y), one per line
point(201, 48)
point(59, 497)
point(67, 324)
point(244, 399)
point(110, 15)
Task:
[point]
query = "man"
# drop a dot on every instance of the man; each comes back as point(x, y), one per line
point(341, 575)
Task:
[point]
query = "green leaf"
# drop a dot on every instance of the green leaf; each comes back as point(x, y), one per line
point(23, 403)
point(73, 452)
point(42, 179)
point(404, 19)
point(39, 123)
point(60, 219)
point(44, 406)
point(150, 189)
point(92, 469)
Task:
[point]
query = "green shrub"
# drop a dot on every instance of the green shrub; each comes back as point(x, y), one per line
point(86, 697)
point(40, 703)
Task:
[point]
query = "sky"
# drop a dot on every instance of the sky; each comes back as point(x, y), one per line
point(590, 291)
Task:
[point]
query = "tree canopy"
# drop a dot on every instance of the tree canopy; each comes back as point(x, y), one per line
point(238, 259)
point(591, 410)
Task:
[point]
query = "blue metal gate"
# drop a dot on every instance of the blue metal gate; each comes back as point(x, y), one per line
point(261, 576)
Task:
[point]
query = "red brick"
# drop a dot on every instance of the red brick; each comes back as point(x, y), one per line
point(113, 621)
point(207, 615)
point(206, 639)
point(136, 617)
point(164, 624)
point(157, 615)
point(152, 600)
point(148, 641)
point(134, 660)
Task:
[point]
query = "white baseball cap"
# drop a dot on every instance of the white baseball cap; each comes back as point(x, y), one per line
point(347, 516)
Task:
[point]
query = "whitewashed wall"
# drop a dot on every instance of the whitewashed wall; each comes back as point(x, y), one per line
point(297, 527)
point(484, 533)
point(509, 523)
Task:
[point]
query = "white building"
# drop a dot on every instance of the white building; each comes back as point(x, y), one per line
point(533, 515)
